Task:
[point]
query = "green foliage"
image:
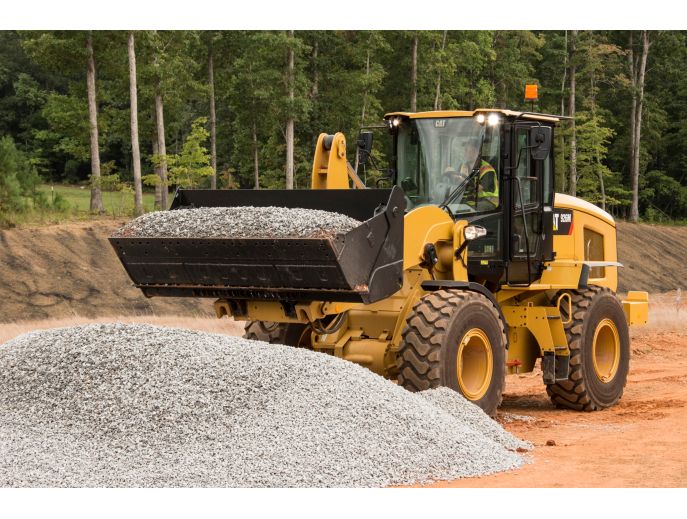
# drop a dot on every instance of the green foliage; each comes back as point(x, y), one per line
point(342, 80)
point(19, 185)
point(662, 197)
point(120, 202)
point(67, 117)
point(10, 189)
point(190, 167)
point(592, 145)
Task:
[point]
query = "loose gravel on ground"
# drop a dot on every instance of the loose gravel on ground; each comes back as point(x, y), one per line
point(139, 405)
point(239, 222)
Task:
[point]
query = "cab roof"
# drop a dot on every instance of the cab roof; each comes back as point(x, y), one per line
point(471, 113)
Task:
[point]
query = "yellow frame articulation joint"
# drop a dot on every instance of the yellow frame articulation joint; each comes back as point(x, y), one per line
point(544, 323)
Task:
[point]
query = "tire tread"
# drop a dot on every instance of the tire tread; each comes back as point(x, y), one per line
point(574, 392)
point(419, 357)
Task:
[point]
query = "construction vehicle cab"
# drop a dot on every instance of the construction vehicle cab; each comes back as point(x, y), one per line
point(468, 268)
point(491, 168)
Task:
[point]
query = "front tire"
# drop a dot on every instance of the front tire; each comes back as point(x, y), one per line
point(455, 339)
point(599, 343)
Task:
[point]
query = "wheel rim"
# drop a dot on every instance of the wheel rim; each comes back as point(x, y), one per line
point(475, 364)
point(606, 350)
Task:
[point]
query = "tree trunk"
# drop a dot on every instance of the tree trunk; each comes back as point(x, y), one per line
point(565, 72)
point(362, 115)
point(367, 74)
point(413, 76)
point(634, 208)
point(256, 165)
point(597, 155)
point(437, 97)
point(213, 122)
point(599, 174)
point(290, 121)
point(135, 150)
point(156, 169)
point(162, 148)
point(571, 113)
point(96, 194)
point(633, 113)
point(561, 175)
point(315, 73)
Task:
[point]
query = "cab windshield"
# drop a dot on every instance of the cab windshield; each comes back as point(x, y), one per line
point(437, 156)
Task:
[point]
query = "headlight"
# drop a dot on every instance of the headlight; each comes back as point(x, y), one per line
point(493, 119)
point(472, 232)
point(480, 118)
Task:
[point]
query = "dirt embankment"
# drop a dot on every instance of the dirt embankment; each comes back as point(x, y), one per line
point(654, 257)
point(71, 270)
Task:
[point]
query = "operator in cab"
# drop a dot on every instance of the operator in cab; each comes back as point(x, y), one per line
point(487, 184)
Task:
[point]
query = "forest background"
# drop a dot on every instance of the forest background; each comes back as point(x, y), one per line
point(138, 113)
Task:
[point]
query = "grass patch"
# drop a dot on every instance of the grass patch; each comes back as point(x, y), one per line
point(116, 203)
point(73, 204)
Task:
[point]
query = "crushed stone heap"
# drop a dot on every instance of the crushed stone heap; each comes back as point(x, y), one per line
point(139, 405)
point(238, 222)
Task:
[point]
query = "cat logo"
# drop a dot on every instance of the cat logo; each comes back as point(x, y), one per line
point(562, 222)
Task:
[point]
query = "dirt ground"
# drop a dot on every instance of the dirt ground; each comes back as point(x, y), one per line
point(638, 443)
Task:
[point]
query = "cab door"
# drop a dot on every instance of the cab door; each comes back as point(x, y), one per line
point(531, 205)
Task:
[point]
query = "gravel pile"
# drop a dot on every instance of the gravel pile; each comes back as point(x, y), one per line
point(468, 413)
point(239, 222)
point(138, 405)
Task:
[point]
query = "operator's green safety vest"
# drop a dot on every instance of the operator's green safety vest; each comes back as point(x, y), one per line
point(490, 186)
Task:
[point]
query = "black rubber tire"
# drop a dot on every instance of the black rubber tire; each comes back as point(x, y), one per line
point(290, 334)
point(427, 357)
point(584, 391)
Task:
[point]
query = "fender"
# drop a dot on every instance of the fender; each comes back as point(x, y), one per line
point(439, 284)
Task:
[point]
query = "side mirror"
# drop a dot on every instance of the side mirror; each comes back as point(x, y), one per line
point(540, 142)
point(364, 147)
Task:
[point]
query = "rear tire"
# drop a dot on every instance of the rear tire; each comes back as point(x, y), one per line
point(290, 334)
point(599, 343)
point(455, 339)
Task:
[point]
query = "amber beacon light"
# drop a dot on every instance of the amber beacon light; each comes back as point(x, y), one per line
point(531, 93)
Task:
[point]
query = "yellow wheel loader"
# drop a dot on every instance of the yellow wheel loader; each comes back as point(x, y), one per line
point(467, 269)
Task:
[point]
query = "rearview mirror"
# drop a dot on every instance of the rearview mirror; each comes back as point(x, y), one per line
point(364, 146)
point(540, 142)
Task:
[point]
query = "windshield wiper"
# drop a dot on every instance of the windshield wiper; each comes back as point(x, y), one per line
point(458, 190)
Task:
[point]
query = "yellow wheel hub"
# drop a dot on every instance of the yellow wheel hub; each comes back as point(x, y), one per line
point(475, 364)
point(606, 350)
